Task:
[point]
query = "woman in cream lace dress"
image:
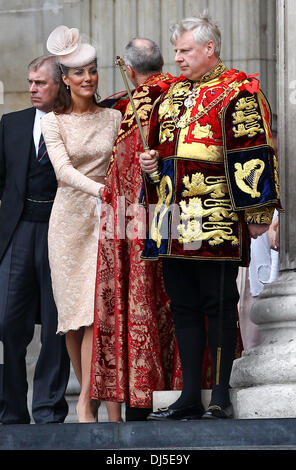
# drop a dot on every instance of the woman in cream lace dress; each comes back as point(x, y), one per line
point(79, 137)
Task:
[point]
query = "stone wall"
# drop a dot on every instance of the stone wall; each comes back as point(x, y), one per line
point(248, 36)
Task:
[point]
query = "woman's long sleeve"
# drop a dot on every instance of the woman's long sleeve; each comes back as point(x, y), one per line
point(63, 167)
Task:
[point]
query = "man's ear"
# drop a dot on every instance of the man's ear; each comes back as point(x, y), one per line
point(211, 49)
point(130, 72)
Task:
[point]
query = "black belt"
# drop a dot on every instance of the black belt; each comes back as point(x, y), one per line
point(39, 202)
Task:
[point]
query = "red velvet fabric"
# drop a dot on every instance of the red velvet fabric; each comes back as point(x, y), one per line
point(134, 348)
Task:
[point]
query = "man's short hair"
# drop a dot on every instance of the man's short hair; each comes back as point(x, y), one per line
point(143, 55)
point(51, 61)
point(203, 29)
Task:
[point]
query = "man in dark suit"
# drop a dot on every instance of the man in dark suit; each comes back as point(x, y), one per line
point(27, 190)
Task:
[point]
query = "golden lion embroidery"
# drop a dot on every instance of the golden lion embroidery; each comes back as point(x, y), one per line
point(198, 186)
point(248, 103)
point(250, 129)
point(192, 232)
point(194, 209)
point(167, 133)
point(193, 227)
point(240, 117)
point(246, 118)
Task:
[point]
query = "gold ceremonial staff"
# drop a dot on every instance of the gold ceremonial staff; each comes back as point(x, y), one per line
point(121, 64)
point(119, 61)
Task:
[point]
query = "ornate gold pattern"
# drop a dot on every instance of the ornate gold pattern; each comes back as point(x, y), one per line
point(276, 176)
point(215, 229)
point(199, 185)
point(261, 215)
point(220, 231)
point(214, 72)
point(170, 108)
point(143, 104)
point(185, 122)
point(217, 211)
point(246, 118)
point(248, 175)
point(162, 206)
point(193, 233)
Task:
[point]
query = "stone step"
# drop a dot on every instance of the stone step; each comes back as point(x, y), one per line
point(201, 434)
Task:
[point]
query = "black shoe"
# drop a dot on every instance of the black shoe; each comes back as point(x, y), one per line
point(185, 413)
point(217, 412)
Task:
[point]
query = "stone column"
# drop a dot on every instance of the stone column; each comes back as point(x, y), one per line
point(264, 378)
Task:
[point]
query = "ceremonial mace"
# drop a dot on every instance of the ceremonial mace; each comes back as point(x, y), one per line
point(119, 61)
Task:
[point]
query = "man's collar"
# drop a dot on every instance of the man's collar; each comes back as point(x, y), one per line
point(154, 78)
point(213, 73)
point(39, 113)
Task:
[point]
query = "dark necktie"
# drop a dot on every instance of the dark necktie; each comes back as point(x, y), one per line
point(42, 155)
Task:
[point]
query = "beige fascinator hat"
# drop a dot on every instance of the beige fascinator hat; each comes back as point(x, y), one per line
point(67, 45)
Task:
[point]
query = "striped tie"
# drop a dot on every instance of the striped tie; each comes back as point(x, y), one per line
point(42, 155)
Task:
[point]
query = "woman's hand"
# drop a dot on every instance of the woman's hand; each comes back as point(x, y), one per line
point(101, 191)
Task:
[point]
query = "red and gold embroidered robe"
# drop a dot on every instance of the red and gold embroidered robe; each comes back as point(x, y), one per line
point(134, 351)
point(218, 169)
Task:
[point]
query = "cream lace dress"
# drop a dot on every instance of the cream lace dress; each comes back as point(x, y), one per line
point(79, 147)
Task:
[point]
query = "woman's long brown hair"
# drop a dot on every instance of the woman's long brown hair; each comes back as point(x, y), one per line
point(63, 102)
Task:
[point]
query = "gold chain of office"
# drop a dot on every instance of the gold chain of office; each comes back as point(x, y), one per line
point(182, 122)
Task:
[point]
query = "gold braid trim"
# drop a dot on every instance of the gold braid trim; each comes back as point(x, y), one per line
point(259, 215)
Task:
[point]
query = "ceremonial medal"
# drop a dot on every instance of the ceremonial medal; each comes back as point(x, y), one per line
point(192, 96)
point(182, 123)
point(188, 102)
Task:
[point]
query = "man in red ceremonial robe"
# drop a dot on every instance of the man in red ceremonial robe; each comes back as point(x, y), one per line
point(135, 349)
point(211, 183)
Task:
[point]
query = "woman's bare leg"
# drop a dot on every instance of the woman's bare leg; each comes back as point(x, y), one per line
point(73, 343)
point(79, 345)
point(87, 407)
point(114, 411)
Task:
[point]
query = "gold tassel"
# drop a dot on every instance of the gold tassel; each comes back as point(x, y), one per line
point(218, 365)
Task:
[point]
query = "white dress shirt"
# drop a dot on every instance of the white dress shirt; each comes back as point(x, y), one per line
point(37, 128)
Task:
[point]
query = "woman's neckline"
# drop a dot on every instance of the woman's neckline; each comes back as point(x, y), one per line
point(97, 110)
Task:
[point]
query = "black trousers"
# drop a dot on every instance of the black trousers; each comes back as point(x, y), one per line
point(26, 297)
point(136, 414)
point(194, 289)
